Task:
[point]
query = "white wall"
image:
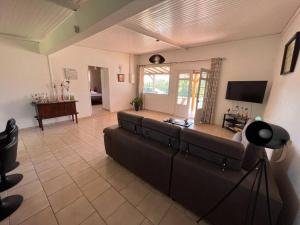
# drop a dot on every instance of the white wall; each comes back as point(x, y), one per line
point(251, 59)
point(283, 108)
point(79, 58)
point(22, 72)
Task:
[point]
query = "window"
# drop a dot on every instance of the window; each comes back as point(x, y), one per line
point(156, 80)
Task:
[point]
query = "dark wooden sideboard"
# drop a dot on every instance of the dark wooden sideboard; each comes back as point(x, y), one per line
point(55, 109)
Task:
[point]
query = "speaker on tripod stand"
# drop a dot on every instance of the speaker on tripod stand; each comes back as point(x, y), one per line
point(269, 136)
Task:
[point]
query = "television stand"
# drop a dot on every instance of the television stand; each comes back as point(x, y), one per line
point(234, 122)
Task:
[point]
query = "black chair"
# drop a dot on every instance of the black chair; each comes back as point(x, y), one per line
point(8, 156)
point(10, 125)
point(11, 203)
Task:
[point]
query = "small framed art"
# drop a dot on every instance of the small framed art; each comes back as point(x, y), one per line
point(121, 77)
point(290, 56)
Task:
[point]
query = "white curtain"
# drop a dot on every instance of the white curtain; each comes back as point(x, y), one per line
point(140, 81)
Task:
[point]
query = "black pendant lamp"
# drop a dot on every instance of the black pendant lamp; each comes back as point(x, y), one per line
point(157, 59)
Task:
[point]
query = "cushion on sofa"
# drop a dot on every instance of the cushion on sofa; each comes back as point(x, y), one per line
point(130, 122)
point(237, 137)
point(166, 134)
point(223, 152)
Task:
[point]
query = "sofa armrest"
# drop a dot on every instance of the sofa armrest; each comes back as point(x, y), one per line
point(107, 138)
point(108, 130)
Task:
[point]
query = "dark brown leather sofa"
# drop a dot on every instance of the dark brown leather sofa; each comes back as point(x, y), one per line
point(193, 168)
point(144, 146)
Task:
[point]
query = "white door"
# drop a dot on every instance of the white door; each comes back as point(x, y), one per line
point(204, 74)
point(183, 96)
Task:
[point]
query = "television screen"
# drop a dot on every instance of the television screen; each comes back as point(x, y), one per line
point(247, 91)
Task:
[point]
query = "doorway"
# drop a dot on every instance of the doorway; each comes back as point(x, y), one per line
point(190, 96)
point(98, 94)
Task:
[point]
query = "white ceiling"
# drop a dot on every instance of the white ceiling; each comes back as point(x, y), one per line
point(176, 23)
point(30, 19)
point(121, 39)
point(187, 23)
point(194, 22)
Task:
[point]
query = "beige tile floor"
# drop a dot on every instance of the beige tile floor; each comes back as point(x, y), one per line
point(69, 180)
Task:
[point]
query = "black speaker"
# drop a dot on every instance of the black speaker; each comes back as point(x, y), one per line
point(157, 59)
point(267, 135)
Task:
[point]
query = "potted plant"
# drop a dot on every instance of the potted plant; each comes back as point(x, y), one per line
point(137, 102)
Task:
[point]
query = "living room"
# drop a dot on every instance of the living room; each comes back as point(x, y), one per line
point(182, 60)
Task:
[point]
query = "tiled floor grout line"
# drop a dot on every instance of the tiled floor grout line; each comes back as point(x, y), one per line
point(127, 201)
point(119, 192)
point(43, 191)
point(55, 191)
point(165, 214)
point(74, 182)
point(80, 189)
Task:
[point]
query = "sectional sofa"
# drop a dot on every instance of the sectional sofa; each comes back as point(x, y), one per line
point(195, 169)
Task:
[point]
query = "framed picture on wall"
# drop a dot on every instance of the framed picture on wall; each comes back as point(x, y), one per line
point(290, 56)
point(121, 77)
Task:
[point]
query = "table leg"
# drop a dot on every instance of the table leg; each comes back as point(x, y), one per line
point(41, 124)
point(76, 118)
point(223, 124)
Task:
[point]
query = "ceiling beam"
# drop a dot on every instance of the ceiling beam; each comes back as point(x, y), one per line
point(67, 4)
point(157, 36)
point(92, 17)
point(18, 37)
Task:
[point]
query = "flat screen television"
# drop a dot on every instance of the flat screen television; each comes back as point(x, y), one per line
point(246, 91)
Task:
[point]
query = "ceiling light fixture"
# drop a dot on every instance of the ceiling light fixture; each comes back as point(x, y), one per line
point(157, 59)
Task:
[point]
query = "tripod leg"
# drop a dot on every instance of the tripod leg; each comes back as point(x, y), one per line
point(257, 192)
point(268, 194)
point(230, 192)
point(250, 197)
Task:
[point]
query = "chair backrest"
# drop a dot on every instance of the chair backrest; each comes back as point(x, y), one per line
point(11, 123)
point(8, 155)
point(10, 131)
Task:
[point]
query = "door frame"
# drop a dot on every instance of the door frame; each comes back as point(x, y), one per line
point(177, 73)
point(101, 78)
point(198, 112)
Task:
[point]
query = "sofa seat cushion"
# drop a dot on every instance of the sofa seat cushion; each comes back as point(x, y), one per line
point(147, 159)
point(130, 122)
point(223, 152)
point(163, 133)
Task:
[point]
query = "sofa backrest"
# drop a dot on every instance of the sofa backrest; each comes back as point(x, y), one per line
point(166, 134)
point(130, 122)
point(220, 151)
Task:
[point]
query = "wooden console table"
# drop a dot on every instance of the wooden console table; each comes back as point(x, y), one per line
point(55, 109)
